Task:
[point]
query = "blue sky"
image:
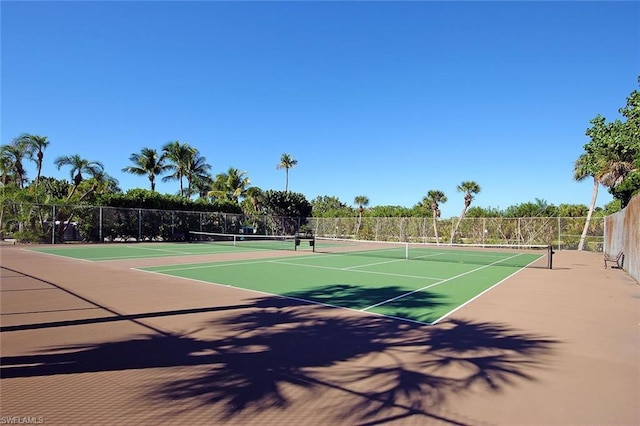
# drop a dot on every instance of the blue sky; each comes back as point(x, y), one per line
point(383, 99)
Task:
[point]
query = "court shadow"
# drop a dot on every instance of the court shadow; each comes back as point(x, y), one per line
point(281, 353)
point(357, 297)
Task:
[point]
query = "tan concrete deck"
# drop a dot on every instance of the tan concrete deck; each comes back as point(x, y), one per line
point(99, 343)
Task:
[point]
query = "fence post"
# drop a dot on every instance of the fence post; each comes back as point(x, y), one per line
point(53, 226)
point(100, 238)
point(484, 230)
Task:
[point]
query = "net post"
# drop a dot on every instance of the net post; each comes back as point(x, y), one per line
point(550, 253)
point(406, 251)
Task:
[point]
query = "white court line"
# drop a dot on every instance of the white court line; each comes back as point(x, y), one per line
point(356, 271)
point(207, 265)
point(374, 264)
point(474, 298)
point(56, 255)
point(217, 265)
point(435, 284)
point(365, 310)
point(157, 249)
point(298, 299)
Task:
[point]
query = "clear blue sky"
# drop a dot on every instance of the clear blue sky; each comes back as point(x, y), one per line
point(383, 99)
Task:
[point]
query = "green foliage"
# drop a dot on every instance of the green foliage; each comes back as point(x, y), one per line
point(539, 208)
point(612, 156)
point(146, 199)
point(572, 210)
point(285, 203)
point(326, 206)
point(420, 210)
point(477, 211)
point(51, 189)
point(613, 207)
point(291, 209)
point(629, 187)
point(388, 211)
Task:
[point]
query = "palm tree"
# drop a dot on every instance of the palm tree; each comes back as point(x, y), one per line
point(202, 185)
point(286, 162)
point(470, 188)
point(6, 167)
point(231, 185)
point(12, 155)
point(432, 200)
point(178, 155)
point(586, 166)
point(79, 166)
point(197, 170)
point(362, 201)
point(100, 183)
point(255, 196)
point(606, 159)
point(35, 146)
point(148, 162)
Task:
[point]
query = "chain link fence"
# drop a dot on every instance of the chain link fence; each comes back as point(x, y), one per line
point(55, 224)
point(560, 232)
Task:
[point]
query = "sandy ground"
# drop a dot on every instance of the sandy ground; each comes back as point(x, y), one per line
point(100, 343)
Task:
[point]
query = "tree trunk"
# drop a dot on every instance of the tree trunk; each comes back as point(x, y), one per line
point(358, 222)
point(455, 228)
point(592, 206)
point(286, 180)
point(435, 228)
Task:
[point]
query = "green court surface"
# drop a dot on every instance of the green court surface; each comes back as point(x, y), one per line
point(423, 291)
point(122, 251)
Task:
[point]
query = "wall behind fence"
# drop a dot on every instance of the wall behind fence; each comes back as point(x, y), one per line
point(622, 233)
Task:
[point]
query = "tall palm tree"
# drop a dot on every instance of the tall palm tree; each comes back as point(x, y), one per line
point(286, 162)
point(362, 201)
point(470, 188)
point(148, 162)
point(584, 167)
point(35, 146)
point(432, 200)
point(606, 159)
point(78, 166)
point(178, 155)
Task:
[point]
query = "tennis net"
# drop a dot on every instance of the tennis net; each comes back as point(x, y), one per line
point(480, 254)
point(266, 242)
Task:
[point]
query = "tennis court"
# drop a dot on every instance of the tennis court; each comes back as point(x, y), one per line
point(220, 335)
point(417, 283)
